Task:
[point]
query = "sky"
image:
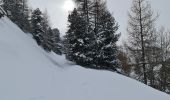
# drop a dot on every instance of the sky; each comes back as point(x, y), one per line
point(119, 9)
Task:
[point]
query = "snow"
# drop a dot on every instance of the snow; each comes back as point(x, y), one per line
point(29, 73)
point(2, 11)
point(81, 41)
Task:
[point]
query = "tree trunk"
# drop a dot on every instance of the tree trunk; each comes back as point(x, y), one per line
point(143, 46)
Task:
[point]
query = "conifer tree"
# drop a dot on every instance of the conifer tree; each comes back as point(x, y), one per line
point(84, 8)
point(107, 54)
point(106, 37)
point(48, 40)
point(37, 27)
point(57, 41)
point(141, 30)
point(91, 37)
point(47, 45)
point(8, 5)
point(18, 12)
point(77, 40)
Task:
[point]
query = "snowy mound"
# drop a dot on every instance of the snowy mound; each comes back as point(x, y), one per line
point(28, 73)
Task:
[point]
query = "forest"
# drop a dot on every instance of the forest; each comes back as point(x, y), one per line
point(92, 35)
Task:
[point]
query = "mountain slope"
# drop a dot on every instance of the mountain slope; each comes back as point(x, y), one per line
point(29, 73)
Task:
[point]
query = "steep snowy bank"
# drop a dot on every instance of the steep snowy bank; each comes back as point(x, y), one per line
point(29, 73)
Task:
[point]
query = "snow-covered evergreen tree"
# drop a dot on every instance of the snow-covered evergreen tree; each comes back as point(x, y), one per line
point(106, 38)
point(49, 40)
point(57, 41)
point(78, 40)
point(18, 12)
point(45, 36)
point(91, 38)
point(26, 13)
point(106, 43)
point(51, 37)
point(37, 27)
point(47, 45)
point(8, 6)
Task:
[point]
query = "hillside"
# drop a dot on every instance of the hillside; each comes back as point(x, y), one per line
point(29, 73)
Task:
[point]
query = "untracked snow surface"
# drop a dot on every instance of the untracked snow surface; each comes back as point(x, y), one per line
point(29, 73)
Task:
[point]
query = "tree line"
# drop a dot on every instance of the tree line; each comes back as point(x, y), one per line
point(147, 52)
point(91, 41)
point(34, 22)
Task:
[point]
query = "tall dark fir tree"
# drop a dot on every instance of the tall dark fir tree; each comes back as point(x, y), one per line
point(37, 26)
point(77, 40)
point(18, 12)
point(91, 37)
point(105, 28)
point(58, 46)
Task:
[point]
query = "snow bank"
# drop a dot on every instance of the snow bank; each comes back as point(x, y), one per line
point(29, 73)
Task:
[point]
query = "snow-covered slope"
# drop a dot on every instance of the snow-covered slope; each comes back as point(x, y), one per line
point(29, 73)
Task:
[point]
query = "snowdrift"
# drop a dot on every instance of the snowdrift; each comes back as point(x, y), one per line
point(29, 73)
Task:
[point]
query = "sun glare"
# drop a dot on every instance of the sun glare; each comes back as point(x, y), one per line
point(69, 5)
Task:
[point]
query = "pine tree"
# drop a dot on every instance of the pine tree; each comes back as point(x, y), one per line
point(91, 38)
point(8, 5)
point(106, 38)
point(78, 40)
point(47, 45)
point(84, 8)
point(57, 41)
point(48, 40)
point(25, 21)
point(103, 49)
point(37, 27)
point(72, 44)
point(18, 12)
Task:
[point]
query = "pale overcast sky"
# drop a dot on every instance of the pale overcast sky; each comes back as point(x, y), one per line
point(118, 8)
